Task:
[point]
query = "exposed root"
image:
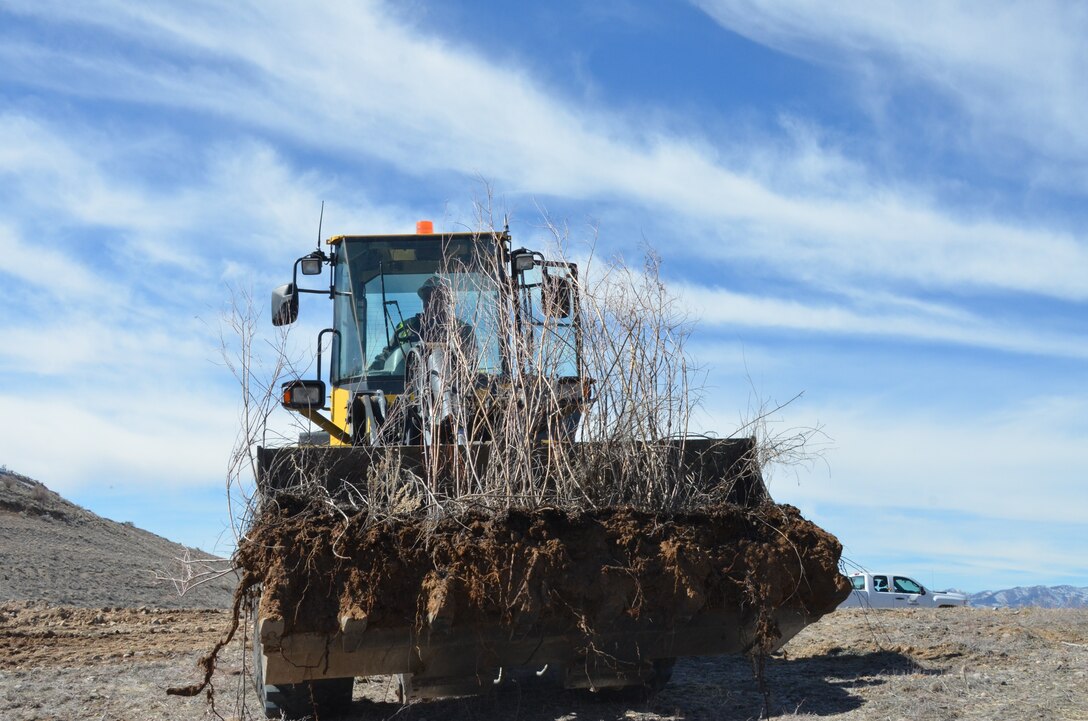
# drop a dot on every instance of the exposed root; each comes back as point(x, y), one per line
point(208, 662)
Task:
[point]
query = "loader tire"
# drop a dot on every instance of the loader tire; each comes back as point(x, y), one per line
point(313, 699)
point(639, 693)
point(662, 675)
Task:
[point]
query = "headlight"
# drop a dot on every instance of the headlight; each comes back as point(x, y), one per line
point(304, 395)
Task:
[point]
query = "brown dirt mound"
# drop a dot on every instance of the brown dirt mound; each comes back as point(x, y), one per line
point(526, 568)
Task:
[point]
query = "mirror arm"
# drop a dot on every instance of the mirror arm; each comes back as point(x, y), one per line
point(321, 335)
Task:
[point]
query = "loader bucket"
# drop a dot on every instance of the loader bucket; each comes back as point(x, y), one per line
point(602, 597)
point(723, 465)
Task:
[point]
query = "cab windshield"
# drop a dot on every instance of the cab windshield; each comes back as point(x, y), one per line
point(381, 287)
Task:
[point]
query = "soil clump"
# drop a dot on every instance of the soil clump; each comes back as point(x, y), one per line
point(529, 569)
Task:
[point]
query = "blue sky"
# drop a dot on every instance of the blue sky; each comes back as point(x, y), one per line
point(877, 205)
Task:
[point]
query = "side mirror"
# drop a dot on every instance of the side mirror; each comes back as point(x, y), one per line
point(284, 305)
point(557, 293)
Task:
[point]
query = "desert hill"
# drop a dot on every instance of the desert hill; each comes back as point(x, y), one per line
point(55, 551)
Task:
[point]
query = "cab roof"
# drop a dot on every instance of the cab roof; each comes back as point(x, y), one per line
point(400, 237)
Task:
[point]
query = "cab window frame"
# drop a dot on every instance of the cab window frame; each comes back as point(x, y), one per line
point(899, 588)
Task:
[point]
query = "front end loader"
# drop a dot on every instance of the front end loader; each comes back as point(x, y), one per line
point(457, 375)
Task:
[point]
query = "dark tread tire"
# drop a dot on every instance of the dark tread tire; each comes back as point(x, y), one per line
point(638, 693)
point(314, 699)
point(663, 668)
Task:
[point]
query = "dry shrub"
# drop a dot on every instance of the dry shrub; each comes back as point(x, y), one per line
point(592, 409)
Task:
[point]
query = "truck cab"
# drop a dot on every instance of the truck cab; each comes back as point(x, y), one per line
point(890, 590)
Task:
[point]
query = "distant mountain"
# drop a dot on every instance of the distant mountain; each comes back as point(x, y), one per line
point(55, 551)
point(1042, 596)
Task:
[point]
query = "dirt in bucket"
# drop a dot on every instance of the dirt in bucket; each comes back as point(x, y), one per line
point(525, 568)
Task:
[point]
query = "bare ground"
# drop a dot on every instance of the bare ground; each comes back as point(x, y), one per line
point(53, 550)
point(62, 656)
point(77, 663)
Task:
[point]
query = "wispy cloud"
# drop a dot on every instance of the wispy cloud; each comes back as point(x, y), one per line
point(1014, 70)
point(25, 260)
point(116, 282)
point(880, 317)
point(362, 80)
point(134, 444)
point(1012, 463)
point(960, 549)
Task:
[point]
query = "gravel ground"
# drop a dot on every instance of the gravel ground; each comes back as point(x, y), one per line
point(77, 663)
point(64, 656)
point(53, 550)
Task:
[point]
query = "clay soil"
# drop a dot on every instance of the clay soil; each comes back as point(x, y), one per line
point(114, 664)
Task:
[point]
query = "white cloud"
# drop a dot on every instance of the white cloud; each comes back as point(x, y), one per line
point(113, 329)
point(58, 169)
point(881, 316)
point(75, 444)
point(967, 552)
point(1014, 69)
point(1019, 462)
point(45, 268)
point(930, 484)
point(356, 79)
point(150, 402)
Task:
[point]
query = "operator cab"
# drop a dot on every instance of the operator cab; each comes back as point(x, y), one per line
point(409, 309)
point(387, 292)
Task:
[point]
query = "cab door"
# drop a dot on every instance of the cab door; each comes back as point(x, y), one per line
point(881, 597)
point(906, 592)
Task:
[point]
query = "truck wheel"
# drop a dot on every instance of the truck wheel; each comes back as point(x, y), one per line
point(316, 699)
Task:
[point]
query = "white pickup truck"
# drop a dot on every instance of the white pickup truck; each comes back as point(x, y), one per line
point(886, 590)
